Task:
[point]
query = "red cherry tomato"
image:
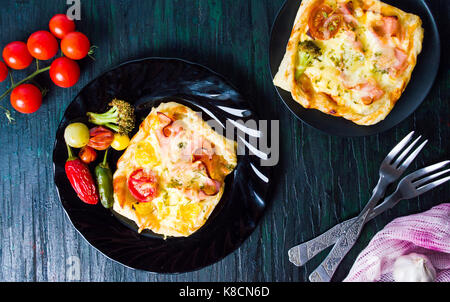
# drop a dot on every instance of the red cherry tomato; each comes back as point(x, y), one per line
point(60, 25)
point(143, 185)
point(75, 46)
point(16, 55)
point(64, 72)
point(26, 98)
point(323, 25)
point(42, 45)
point(3, 71)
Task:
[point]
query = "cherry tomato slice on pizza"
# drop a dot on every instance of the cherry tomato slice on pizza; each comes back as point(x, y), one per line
point(323, 25)
point(143, 185)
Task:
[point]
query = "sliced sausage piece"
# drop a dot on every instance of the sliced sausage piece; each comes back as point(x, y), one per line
point(369, 92)
point(388, 26)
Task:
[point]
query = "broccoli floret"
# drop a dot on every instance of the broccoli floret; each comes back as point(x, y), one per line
point(308, 51)
point(120, 117)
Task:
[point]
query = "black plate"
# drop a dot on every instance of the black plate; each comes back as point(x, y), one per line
point(421, 81)
point(146, 83)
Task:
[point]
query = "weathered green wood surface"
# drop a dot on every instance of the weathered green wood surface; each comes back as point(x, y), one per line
point(320, 181)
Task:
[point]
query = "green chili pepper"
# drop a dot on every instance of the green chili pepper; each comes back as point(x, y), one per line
point(105, 183)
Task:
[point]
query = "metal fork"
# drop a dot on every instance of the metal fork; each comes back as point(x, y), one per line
point(411, 186)
point(391, 169)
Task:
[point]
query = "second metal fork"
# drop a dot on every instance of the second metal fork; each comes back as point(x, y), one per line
point(411, 186)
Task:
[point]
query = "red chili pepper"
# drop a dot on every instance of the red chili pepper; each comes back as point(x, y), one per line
point(81, 179)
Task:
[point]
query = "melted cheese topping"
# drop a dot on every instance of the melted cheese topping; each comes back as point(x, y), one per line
point(346, 64)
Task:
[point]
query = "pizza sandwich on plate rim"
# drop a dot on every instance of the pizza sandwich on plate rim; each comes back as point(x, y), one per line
point(350, 59)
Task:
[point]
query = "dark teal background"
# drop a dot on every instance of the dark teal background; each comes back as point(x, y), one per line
point(320, 180)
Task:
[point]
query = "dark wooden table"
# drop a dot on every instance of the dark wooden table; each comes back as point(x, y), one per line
point(321, 180)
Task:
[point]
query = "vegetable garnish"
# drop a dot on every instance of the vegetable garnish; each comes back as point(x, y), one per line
point(81, 179)
point(77, 135)
point(101, 138)
point(120, 117)
point(143, 185)
point(323, 23)
point(104, 178)
point(87, 155)
point(308, 51)
point(120, 142)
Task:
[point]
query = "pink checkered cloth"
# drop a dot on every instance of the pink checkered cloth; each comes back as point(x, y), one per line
point(426, 233)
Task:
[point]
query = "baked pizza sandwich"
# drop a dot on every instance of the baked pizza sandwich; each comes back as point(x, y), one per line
point(172, 175)
point(350, 58)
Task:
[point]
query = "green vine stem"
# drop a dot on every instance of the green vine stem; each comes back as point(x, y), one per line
point(91, 52)
point(8, 114)
point(31, 76)
point(14, 85)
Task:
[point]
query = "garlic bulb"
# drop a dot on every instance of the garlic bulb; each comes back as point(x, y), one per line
point(413, 268)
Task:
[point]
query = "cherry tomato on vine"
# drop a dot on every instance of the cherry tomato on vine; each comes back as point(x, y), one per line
point(26, 98)
point(60, 25)
point(64, 72)
point(16, 55)
point(42, 45)
point(3, 71)
point(75, 46)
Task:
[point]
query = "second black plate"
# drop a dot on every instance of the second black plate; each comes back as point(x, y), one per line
point(421, 81)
